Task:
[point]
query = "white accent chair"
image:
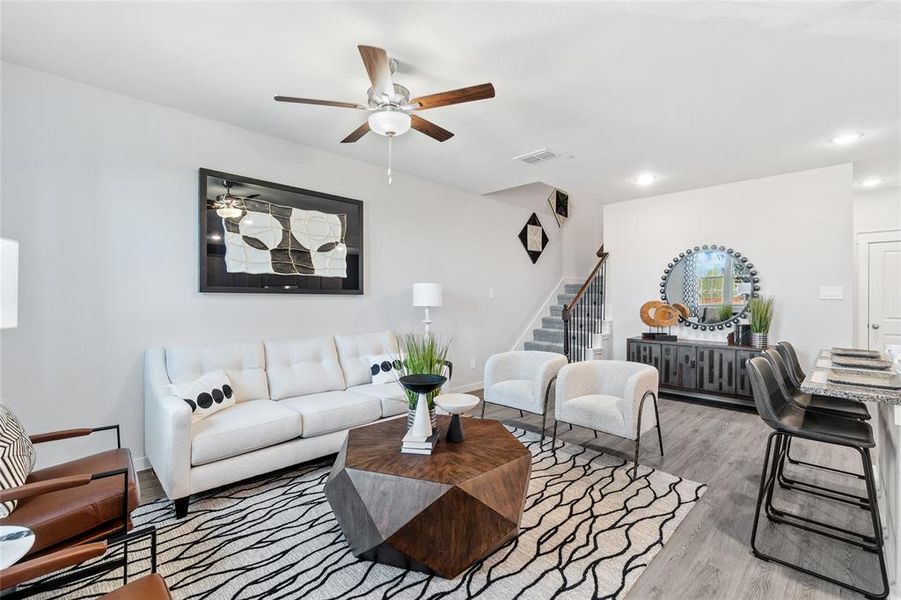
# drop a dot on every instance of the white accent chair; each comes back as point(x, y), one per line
point(608, 396)
point(522, 379)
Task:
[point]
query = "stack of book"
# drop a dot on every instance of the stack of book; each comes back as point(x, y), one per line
point(418, 444)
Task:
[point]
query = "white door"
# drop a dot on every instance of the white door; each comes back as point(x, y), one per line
point(884, 319)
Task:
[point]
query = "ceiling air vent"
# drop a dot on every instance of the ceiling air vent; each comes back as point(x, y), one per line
point(538, 156)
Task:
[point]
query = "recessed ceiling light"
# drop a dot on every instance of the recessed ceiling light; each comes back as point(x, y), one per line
point(215, 237)
point(871, 183)
point(845, 138)
point(646, 179)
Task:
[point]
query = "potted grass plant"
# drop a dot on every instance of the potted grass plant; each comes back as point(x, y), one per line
point(421, 354)
point(725, 312)
point(761, 309)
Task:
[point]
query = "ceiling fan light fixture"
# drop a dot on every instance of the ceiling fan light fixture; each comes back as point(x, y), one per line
point(229, 212)
point(389, 122)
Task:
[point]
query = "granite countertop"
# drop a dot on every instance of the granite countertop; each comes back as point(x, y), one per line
point(816, 383)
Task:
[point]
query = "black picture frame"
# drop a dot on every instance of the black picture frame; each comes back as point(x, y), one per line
point(213, 275)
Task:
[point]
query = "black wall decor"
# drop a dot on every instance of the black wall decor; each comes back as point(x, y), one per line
point(263, 237)
point(533, 238)
point(559, 203)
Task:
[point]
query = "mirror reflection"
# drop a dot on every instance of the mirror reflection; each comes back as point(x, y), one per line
point(715, 285)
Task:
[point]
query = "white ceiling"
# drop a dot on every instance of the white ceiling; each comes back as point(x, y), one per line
point(699, 92)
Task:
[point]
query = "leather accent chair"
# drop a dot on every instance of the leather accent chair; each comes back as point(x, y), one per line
point(149, 587)
point(84, 500)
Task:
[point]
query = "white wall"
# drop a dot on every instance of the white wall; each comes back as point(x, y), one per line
point(101, 191)
point(795, 228)
point(877, 210)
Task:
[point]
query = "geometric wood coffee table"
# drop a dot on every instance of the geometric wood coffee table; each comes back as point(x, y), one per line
point(437, 514)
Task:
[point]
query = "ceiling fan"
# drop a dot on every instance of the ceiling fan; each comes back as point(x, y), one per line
point(392, 110)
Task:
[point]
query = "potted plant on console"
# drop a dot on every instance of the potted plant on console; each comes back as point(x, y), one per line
point(761, 309)
point(422, 354)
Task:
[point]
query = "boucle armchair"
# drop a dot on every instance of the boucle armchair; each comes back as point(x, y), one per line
point(522, 380)
point(608, 396)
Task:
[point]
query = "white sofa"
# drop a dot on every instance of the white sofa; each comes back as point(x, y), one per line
point(295, 401)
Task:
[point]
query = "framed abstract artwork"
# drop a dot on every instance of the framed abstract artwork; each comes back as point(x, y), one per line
point(268, 238)
point(533, 238)
point(559, 203)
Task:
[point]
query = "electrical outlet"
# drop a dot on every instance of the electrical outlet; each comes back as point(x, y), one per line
point(491, 293)
point(472, 363)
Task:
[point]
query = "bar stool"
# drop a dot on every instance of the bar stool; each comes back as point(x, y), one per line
point(839, 407)
point(789, 421)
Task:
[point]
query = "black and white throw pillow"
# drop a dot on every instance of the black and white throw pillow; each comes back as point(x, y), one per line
point(17, 455)
point(206, 395)
point(384, 368)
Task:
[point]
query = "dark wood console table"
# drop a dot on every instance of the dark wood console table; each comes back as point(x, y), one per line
point(713, 372)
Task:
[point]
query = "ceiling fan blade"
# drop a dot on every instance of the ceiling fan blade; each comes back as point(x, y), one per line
point(356, 133)
point(430, 129)
point(467, 94)
point(376, 62)
point(318, 102)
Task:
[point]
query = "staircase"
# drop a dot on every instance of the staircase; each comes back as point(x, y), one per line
point(576, 319)
point(549, 337)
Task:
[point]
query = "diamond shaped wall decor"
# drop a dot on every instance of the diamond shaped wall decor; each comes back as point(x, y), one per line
point(559, 203)
point(533, 238)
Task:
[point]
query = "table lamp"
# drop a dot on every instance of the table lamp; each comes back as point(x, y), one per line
point(9, 283)
point(428, 296)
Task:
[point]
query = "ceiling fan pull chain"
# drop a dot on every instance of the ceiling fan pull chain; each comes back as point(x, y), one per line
point(389, 159)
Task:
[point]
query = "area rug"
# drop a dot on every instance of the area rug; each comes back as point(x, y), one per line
point(589, 530)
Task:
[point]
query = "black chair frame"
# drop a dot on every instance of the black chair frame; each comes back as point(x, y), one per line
point(547, 397)
point(54, 582)
point(775, 451)
point(637, 437)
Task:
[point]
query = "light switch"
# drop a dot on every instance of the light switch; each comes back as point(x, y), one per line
point(832, 292)
point(491, 292)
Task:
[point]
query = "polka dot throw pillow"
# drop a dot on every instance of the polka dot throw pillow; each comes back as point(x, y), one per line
point(206, 395)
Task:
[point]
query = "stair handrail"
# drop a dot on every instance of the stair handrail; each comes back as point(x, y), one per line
point(567, 308)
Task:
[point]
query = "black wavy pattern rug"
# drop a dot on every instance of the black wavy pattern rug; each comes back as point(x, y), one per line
point(588, 531)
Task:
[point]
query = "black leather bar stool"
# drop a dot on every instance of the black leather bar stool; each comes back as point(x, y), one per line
point(797, 376)
point(839, 407)
point(789, 421)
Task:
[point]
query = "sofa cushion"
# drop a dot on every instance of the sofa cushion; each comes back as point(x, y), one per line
point(333, 411)
point(354, 351)
point(302, 366)
point(244, 364)
point(391, 396)
point(244, 427)
point(515, 393)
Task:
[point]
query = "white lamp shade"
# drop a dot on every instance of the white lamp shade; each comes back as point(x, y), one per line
point(9, 283)
point(389, 122)
point(427, 294)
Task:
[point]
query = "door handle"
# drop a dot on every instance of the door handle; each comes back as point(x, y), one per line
point(875, 326)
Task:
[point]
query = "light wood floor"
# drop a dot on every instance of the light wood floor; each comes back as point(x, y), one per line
point(709, 555)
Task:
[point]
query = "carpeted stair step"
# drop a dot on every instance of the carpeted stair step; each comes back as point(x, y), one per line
point(544, 347)
point(554, 336)
point(572, 288)
point(565, 298)
point(557, 310)
point(552, 323)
